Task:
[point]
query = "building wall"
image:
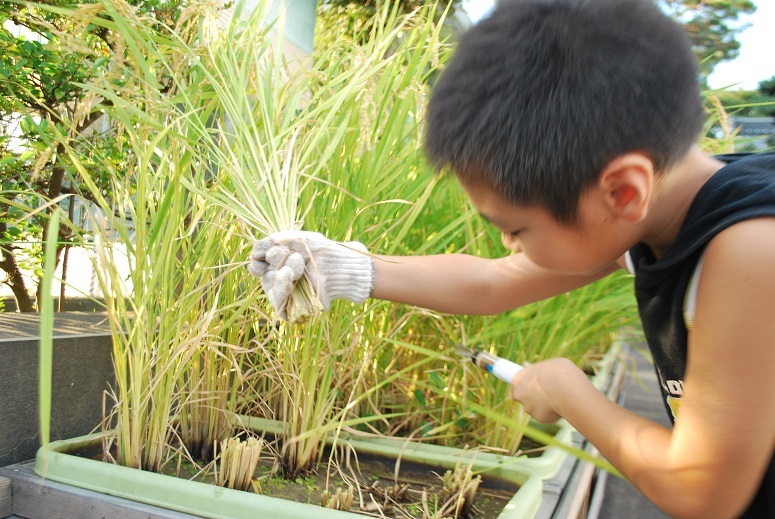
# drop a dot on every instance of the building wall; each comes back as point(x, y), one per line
point(293, 19)
point(753, 133)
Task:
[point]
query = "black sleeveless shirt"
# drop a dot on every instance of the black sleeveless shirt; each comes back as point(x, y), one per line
point(741, 190)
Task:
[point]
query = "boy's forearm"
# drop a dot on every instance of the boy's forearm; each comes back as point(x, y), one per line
point(639, 448)
point(629, 441)
point(446, 283)
point(463, 284)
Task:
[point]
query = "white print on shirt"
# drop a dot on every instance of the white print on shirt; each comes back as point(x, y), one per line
point(675, 388)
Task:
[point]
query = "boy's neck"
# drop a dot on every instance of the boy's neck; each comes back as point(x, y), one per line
point(674, 192)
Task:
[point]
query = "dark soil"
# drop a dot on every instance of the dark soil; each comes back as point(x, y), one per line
point(417, 490)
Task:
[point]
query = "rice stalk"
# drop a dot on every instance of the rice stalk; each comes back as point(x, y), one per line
point(46, 344)
point(236, 462)
point(280, 141)
point(339, 500)
point(459, 486)
point(155, 313)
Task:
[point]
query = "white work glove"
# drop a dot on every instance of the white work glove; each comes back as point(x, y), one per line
point(336, 270)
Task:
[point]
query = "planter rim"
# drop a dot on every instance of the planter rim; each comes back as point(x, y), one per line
point(212, 501)
point(216, 502)
point(545, 466)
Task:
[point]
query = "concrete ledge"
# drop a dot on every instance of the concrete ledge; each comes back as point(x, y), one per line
point(82, 372)
point(26, 326)
point(72, 304)
point(580, 489)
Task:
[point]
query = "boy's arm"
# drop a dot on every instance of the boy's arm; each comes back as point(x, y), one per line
point(463, 284)
point(451, 283)
point(712, 462)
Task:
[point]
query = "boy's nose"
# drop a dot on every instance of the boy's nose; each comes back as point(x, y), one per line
point(511, 242)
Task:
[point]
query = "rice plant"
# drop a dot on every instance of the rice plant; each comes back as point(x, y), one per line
point(156, 313)
point(339, 500)
point(281, 143)
point(459, 486)
point(238, 145)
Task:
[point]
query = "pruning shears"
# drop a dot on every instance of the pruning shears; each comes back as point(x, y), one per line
point(501, 368)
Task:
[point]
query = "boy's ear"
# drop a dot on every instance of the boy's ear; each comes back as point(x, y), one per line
point(626, 184)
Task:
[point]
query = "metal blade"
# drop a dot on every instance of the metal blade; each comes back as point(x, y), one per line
point(464, 352)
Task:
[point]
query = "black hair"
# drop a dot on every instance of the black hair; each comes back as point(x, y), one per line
point(542, 94)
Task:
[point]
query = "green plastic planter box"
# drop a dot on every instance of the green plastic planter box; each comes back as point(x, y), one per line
point(604, 369)
point(212, 501)
point(545, 466)
point(532, 474)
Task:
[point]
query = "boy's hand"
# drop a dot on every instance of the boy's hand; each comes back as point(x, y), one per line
point(336, 270)
point(541, 387)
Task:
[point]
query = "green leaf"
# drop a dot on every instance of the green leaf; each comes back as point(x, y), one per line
point(46, 348)
point(436, 381)
point(420, 397)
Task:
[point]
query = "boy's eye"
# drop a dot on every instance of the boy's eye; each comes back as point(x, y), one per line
point(511, 241)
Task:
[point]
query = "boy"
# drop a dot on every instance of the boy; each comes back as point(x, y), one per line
point(571, 124)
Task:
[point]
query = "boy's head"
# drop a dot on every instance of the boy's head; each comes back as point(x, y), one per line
point(542, 94)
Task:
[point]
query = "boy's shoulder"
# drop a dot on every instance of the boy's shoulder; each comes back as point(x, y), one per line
point(746, 182)
point(762, 159)
point(744, 188)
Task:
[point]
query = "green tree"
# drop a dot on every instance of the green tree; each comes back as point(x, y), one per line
point(351, 19)
point(712, 26)
point(747, 103)
point(370, 7)
point(45, 61)
point(767, 88)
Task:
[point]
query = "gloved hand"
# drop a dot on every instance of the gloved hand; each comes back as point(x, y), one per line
point(335, 270)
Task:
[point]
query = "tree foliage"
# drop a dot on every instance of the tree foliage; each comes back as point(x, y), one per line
point(767, 87)
point(370, 7)
point(747, 103)
point(712, 25)
point(46, 59)
point(352, 19)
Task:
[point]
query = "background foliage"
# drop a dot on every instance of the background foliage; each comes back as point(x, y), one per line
point(750, 103)
point(712, 26)
point(337, 147)
point(47, 58)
